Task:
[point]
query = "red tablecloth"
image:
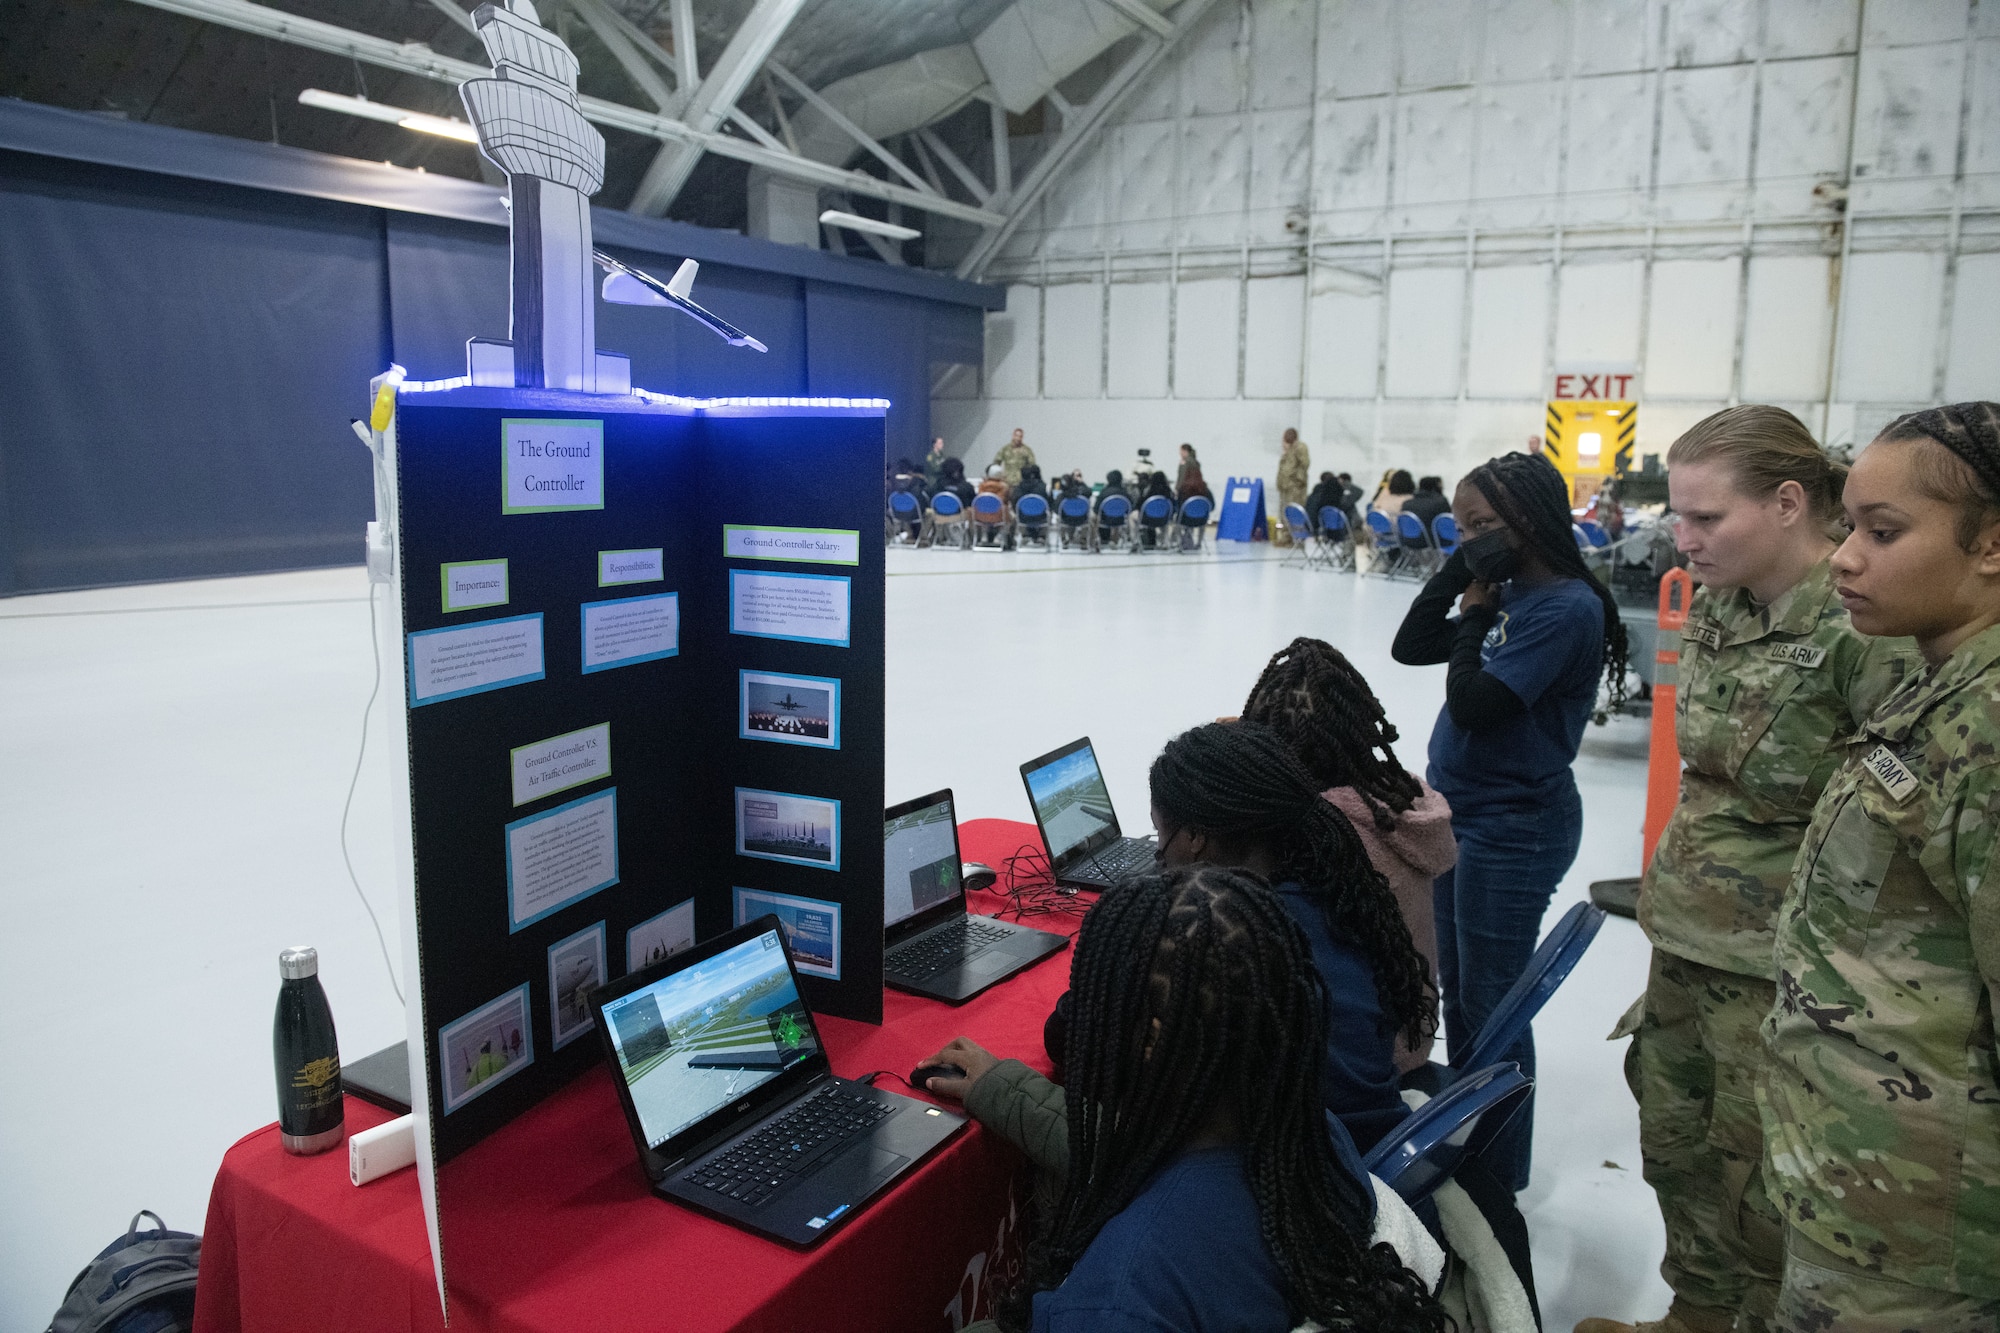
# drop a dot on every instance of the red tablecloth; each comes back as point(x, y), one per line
point(550, 1226)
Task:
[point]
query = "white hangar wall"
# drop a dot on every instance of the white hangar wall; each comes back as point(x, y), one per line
point(1384, 221)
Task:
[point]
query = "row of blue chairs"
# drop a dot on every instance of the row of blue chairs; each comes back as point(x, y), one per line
point(1401, 546)
point(1075, 523)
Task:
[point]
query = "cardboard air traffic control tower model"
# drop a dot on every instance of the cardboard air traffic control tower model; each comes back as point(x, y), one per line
point(593, 592)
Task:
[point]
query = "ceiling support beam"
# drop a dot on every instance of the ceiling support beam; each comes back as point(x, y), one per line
point(942, 152)
point(457, 15)
point(849, 128)
point(608, 26)
point(1003, 156)
point(417, 58)
point(1080, 123)
point(712, 102)
point(683, 20)
point(1144, 14)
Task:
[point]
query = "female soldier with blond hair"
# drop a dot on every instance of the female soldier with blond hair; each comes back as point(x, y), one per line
point(1772, 673)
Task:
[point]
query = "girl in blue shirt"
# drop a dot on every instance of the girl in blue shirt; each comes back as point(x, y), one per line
point(1535, 631)
point(1203, 1192)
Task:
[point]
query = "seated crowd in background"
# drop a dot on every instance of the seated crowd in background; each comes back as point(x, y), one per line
point(1015, 474)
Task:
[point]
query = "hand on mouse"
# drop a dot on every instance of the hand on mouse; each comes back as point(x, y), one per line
point(968, 1055)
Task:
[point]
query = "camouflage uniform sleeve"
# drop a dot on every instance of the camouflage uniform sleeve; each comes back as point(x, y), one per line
point(1971, 831)
point(1873, 668)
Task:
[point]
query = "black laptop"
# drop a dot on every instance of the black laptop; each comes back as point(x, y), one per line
point(732, 1105)
point(1079, 828)
point(930, 944)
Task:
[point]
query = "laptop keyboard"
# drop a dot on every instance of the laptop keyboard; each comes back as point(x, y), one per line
point(1120, 859)
point(790, 1145)
point(944, 947)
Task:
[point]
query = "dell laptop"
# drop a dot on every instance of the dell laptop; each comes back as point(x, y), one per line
point(930, 944)
point(1079, 829)
point(732, 1104)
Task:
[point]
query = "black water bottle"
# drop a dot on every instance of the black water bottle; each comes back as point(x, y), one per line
point(310, 1110)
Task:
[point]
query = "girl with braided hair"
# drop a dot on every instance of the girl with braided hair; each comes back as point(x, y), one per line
point(1880, 1094)
point(1231, 793)
point(1324, 711)
point(1203, 1187)
point(1534, 633)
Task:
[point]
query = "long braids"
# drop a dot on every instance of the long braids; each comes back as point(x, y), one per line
point(1312, 696)
point(1196, 1004)
point(1239, 780)
point(1531, 496)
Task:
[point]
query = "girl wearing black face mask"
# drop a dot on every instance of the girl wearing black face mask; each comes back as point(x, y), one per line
point(1534, 634)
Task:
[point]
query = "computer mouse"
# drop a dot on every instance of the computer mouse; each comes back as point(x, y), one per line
point(923, 1072)
point(978, 875)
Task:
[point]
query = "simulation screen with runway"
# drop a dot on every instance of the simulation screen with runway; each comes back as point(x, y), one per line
point(691, 1043)
point(920, 862)
point(1070, 800)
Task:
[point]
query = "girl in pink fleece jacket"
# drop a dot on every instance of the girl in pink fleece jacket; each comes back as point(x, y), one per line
point(1312, 696)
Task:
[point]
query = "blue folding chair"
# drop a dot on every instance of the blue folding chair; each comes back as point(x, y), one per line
point(1193, 518)
point(947, 515)
point(1336, 541)
point(1444, 529)
point(1304, 548)
point(1155, 513)
point(1072, 522)
point(1452, 1126)
point(1594, 533)
point(905, 514)
point(1387, 545)
point(1419, 554)
point(989, 521)
point(1031, 521)
point(1114, 521)
point(1552, 963)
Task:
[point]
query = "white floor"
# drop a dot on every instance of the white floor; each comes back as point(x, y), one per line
point(176, 757)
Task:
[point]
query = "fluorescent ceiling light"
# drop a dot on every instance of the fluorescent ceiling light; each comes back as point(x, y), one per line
point(394, 115)
point(833, 217)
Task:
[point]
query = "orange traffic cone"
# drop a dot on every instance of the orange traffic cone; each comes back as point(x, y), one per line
point(1663, 765)
point(1663, 762)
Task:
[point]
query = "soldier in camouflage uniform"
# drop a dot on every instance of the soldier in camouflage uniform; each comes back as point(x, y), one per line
point(1013, 456)
point(1294, 476)
point(1763, 688)
point(1881, 1096)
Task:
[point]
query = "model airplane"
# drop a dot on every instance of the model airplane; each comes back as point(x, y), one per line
point(625, 285)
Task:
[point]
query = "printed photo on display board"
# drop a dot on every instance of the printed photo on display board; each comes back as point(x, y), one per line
point(485, 1048)
point(660, 937)
point(792, 710)
point(812, 927)
point(575, 966)
point(779, 826)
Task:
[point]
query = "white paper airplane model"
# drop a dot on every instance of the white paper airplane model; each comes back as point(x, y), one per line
point(625, 285)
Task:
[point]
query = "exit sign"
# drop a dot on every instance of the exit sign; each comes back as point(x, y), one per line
point(1604, 381)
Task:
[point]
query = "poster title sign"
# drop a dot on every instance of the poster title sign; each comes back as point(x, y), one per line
point(1598, 381)
point(808, 546)
point(561, 762)
point(550, 465)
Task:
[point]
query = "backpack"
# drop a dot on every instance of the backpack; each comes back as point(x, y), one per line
point(143, 1282)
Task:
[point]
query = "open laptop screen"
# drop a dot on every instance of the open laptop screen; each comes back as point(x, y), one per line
point(920, 859)
point(1071, 802)
point(703, 1036)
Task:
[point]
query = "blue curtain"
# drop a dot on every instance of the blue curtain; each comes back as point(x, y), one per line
point(182, 359)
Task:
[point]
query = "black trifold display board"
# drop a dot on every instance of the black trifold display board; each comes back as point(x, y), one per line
point(623, 738)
